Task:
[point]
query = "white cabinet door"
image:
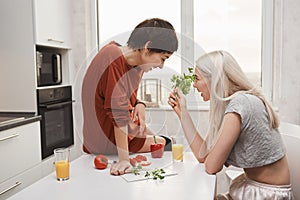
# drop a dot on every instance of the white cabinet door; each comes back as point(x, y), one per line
point(52, 22)
point(17, 60)
point(20, 149)
point(19, 182)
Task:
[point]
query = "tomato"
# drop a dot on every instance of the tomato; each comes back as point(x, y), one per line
point(145, 163)
point(141, 157)
point(138, 160)
point(100, 162)
point(157, 150)
point(133, 161)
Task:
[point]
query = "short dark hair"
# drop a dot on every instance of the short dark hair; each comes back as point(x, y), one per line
point(159, 32)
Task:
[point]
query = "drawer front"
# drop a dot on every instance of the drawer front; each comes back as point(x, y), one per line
point(19, 149)
point(19, 182)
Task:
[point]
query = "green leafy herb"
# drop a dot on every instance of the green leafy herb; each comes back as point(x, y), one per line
point(183, 82)
point(154, 174)
point(136, 170)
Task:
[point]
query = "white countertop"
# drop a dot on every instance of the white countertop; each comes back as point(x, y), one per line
point(86, 182)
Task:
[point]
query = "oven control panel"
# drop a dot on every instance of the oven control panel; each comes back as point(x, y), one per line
point(54, 94)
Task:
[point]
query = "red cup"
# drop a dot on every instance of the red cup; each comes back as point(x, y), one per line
point(157, 150)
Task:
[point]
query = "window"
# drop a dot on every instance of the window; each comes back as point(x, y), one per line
point(242, 28)
point(150, 92)
point(117, 22)
point(234, 26)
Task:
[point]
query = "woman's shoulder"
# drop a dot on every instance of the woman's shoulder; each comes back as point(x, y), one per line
point(109, 53)
point(111, 47)
point(245, 98)
point(238, 99)
point(242, 103)
point(245, 104)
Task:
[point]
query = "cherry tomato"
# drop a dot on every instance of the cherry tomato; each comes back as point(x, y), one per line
point(100, 162)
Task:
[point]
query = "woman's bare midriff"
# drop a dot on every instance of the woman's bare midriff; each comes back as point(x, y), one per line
point(274, 174)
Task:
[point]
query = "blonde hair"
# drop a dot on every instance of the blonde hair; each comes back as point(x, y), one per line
point(226, 80)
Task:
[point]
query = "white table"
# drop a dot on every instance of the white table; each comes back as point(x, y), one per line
point(191, 182)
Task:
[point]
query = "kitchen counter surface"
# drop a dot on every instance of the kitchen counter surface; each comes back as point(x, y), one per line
point(191, 182)
point(10, 120)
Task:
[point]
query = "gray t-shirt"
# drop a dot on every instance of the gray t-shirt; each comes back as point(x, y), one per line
point(257, 144)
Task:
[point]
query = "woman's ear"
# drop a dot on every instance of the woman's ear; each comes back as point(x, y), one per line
point(147, 44)
point(146, 47)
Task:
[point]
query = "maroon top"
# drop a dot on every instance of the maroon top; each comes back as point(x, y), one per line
point(109, 94)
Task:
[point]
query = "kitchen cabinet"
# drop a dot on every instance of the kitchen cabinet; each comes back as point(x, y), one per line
point(17, 57)
point(52, 23)
point(30, 23)
point(19, 182)
point(19, 152)
point(19, 149)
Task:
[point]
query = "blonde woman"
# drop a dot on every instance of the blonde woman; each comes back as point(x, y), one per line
point(242, 130)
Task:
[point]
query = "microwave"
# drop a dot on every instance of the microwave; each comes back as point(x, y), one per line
point(49, 68)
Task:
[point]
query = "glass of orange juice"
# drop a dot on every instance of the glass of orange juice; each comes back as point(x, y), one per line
point(62, 163)
point(177, 148)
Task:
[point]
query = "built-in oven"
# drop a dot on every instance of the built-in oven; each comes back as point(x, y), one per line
point(55, 107)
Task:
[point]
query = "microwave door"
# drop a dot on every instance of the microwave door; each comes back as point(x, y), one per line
point(56, 68)
point(39, 60)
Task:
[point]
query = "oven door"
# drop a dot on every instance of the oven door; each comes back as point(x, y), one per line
point(56, 126)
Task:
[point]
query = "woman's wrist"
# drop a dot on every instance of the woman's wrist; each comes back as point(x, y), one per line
point(183, 109)
point(123, 155)
point(183, 112)
point(140, 102)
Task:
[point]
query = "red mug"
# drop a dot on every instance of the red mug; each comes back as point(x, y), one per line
point(157, 150)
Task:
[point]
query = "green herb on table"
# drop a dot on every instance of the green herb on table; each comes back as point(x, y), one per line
point(183, 82)
point(154, 174)
point(136, 170)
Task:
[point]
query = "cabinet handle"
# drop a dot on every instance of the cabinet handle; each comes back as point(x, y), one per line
point(53, 40)
point(11, 187)
point(9, 137)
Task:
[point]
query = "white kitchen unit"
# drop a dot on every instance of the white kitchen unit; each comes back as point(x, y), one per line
point(25, 24)
point(20, 153)
point(19, 182)
point(17, 57)
point(52, 23)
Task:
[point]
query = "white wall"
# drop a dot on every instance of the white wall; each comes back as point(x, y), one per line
point(84, 47)
point(287, 60)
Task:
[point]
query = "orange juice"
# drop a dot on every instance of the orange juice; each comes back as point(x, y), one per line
point(177, 152)
point(62, 170)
